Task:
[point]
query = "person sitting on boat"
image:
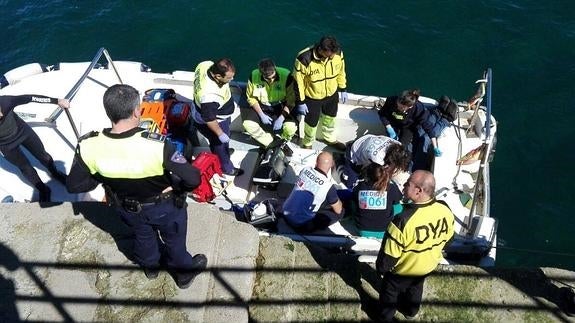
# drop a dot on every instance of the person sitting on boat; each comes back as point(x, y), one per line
point(412, 247)
point(369, 149)
point(319, 72)
point(271, 98)
point(313, 204)
point(15, 133)
point(376, 198)
point(213, 107)
point(145, 178)
point(401, 115)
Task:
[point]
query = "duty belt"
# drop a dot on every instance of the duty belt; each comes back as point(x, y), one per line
point(135, 205)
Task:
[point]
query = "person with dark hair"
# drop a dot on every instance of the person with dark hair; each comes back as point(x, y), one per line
point(271, 98)
point(213, 107)
point(402, 114)
point(412, 247)
point(319, 72)
point(369, 149)
point(16, 134)
point(376, 197)
point(313, 204)
point(146, 180)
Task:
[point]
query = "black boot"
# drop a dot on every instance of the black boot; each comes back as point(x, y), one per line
point(44, 192)
point(184, 280)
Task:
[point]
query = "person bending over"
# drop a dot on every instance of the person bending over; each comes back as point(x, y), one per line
point(16, 134)
point(313, 204)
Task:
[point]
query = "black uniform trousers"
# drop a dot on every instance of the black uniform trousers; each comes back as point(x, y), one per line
point(400, 293)
point(171, 223)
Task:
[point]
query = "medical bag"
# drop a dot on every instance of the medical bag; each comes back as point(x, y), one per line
point(211, 173)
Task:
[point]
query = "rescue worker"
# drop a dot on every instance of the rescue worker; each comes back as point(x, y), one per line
point(271, 98)
point(313, 204)
point(319, 72)
point(412, 247)
point(376, 196)
point(16, 133)
point(369, 149)
point(213, 107)
point(402, 114)
point(145, 178)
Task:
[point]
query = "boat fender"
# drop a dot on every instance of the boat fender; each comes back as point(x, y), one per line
point(19, 73)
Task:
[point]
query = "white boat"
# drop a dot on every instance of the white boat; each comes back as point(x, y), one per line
point(465, 188)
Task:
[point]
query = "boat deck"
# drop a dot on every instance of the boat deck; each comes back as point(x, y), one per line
point(356, 118)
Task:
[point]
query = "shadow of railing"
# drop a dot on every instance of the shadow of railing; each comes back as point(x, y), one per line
point(10, 298)
point(533, 283)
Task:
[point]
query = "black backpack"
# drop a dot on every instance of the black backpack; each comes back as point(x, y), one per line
point(448, 108)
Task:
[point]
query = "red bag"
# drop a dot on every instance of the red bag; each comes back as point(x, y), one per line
point(209, 165)
point(178, 115)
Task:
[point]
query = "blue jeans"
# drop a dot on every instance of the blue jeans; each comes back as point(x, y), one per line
point(216, 146)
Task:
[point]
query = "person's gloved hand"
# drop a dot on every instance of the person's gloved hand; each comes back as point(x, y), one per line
point(437, 152)
point(265, 118)
point(279, 122)
point(224, 138)
point(302, 109)
point(391, 132)
point(343, 96)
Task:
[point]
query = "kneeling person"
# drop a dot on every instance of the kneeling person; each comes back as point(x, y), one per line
point(377, 198)
point(313, 203)
point(270, 95)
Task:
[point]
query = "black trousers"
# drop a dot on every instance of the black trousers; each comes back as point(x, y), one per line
point(400, 293)
point(34, 145)
point(327, 106)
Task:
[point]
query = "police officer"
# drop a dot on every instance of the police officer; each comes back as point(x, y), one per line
point(271, 99)
point(213, 106)
point(313, 204)
point(14, 132)
point(146, 178)
point(412, 247)
point(319, 72)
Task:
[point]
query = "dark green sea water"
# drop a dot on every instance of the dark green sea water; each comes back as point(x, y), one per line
point(439, 46)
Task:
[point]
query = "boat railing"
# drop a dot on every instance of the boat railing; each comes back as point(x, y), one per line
point(70, 96)
point(482, 188)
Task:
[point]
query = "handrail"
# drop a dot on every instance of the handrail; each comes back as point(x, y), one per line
point(72, 93)
point(488, 112)
point(483, 181)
